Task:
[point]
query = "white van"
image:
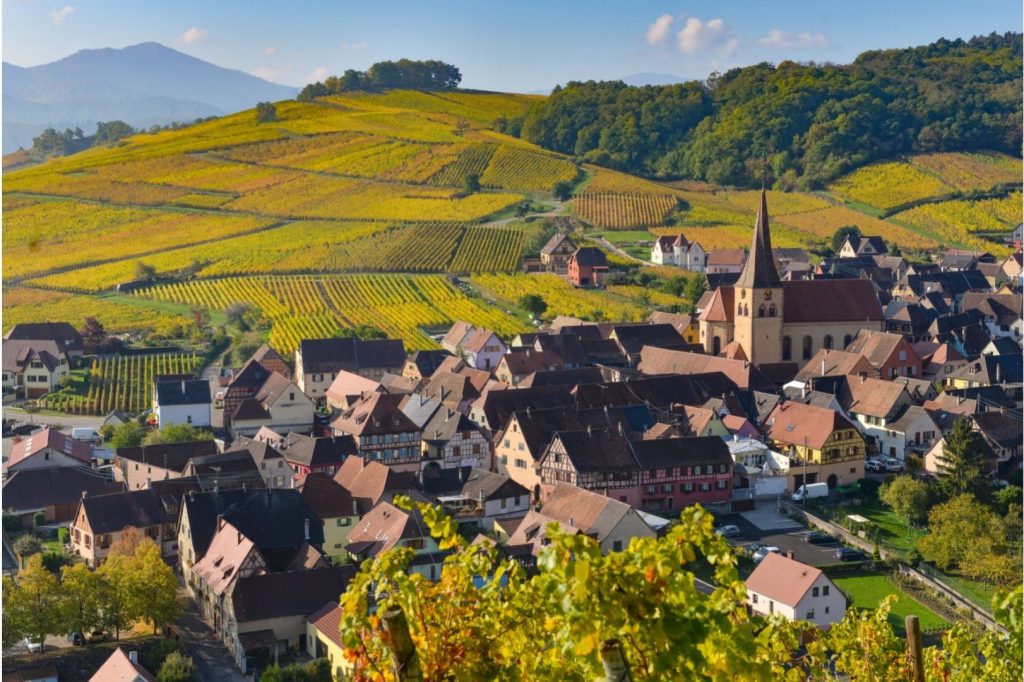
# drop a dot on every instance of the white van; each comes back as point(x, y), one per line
point(86, 434)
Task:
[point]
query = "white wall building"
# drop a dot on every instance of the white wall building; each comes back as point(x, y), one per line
point(794, 590)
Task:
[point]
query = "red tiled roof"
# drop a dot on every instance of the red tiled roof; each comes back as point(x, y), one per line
point(782, 579)
point(49, 438)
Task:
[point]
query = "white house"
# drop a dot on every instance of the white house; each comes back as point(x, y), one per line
point(760, 470)
point(785, 586)
point(182, 401)
point(913, 432)
point(480, 348)
point(278, 405)
point(679, 251)
point(38, 367)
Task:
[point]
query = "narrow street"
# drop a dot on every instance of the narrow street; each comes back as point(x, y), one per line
point(213, 662)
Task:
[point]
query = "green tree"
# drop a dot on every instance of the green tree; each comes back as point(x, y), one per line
point(177, 667)
point(533, 304)
point(32, 605)
point(967, 535)
point(562, 190)
point(27, 545)
point(266, 112)
point(962, 463)
point(366, 332)
point(471, 183)
point(695, 288)
point(154, 585)
point(81, 592)
point(840, 235)
point(111, 131)
point(906, 496)
point(127, 435)
point(145, 272)
point(118, 593)
point(177, 433)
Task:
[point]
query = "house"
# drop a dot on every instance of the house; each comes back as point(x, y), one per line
point(492, 409)
point(122, 666)
point(517, 364)
point(1001, 431)
point(587, 267)
point(933, 459)
point(346, 388)
point(370, 482)
point(555, 254)
point(745, 375)
point(891, 355)
point(278, 404)
point(423, 363)
point(336, 508)
point(308, 454)
point(279, 522)
point(47, 448)
point(482, 349)
point(633, 338)
point(1001, 312)
point(490, 496)
point(270, 360)
point(613, 524)
point(938, 360)
point(34, 367)
point(909, 319)
point(822, 444)
point(245, 383)
point(66, 337)
point(987, 370)
point(450, 440)
point(780, 584)
point(276, 472)
point(387, 527)
point(323, 639)
point(725, 261)
point(318, 361)
point(257, 630)
point(685, 325)
point(181, 401)
point(855, 246)
point(835, 363)
point(757, 469)
point(102, 519)
point(54, 491)
point(679, 251)
point(381, 431)
point(873, 404)
point(912, 432)
point(226, 470)
point(137, 467)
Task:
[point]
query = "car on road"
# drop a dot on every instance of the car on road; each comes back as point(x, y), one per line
point(729, 531)
point(817, 537)
point(891, 464)
point(850, 554)
point(873, 465)
point(761, 553)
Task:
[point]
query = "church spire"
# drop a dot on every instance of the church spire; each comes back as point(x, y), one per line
point(759, 271)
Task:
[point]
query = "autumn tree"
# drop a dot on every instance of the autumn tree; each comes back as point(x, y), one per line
point(93, 335)
point(177, 667)
point(154, 586)
point(969, 536)
point(31, 607)
point(81, 598)
point(906, 496)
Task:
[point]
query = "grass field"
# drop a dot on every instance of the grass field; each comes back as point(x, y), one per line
point(866, 590)
point(894, 534)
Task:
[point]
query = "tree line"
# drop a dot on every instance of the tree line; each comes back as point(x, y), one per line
point(794, 125)
point(51, 141)
point(406, 74)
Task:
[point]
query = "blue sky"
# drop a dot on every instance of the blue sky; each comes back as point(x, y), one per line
point(520, 46)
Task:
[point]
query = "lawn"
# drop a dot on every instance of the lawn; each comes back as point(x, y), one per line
point(894, 534)
point(626, 236)
point(978, 592)
point(866, 590)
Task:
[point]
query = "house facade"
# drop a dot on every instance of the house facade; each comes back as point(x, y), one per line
point(588, 267)
point(318, 361)
point(554, 255)
point(781, 585)
point(822, 445)
point(382, 432)
point(679, 251)
point(182, 401)
point(34, 367)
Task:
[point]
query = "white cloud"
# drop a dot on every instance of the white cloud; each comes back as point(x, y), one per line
point(193, 35)
point(57, 16)
point(353, 46)
point(779, 38)
point(270, 50)
point(658, 31)
point(270, 73)
point(712, 35)
point(318, 74)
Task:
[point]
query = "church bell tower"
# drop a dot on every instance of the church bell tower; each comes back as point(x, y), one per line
point(757, 297)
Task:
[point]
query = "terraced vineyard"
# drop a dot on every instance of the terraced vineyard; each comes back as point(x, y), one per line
point(561, 297)
point(122, 383)
point(623, 211)
point(488, 249)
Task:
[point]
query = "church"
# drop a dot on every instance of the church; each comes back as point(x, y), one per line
point(765, 320)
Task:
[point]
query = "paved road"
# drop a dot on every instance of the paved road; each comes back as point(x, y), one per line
point(789, 538)
point(213, 662)
point(618, 251)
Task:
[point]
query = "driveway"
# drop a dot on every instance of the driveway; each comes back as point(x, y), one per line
point(212, 659)
point(766, 526)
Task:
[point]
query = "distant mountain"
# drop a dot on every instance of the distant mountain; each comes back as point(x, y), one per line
point(143, 85)
point(638, 79)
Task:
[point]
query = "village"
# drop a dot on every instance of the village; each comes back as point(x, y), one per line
point(781, 404)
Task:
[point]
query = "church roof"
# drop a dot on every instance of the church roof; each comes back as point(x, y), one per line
point(759, 271)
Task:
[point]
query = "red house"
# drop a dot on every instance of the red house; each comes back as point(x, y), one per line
point(588, 267)
point(892, 355)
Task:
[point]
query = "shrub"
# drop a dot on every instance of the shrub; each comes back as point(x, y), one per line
point(177, 668)
point(154, 656)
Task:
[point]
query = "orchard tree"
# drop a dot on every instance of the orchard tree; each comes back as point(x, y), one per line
point(969, 536)
point(906, 496)
point(533, 304)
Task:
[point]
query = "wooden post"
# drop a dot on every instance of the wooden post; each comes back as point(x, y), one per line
point(914, 648)
point(616, 669)
point(403, 653)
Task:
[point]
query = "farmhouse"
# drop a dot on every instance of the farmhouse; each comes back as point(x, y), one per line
point(35, 367)
point(797, 591)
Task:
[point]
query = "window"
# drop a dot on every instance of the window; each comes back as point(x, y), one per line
point(810, 615)
point(814, 591)
point(456, 451)
point(761, 311)
point(291, 395)
point(343, 522)
point(617, 546)
point(507, 444)
point(504, 459)
point(705, 487)
point(827, 342)
point(666, 488)
point(504, 502)
point(415, 543)
point(753, 598)
point(824, 592)
point(787, 348)
point(520, 463)
point(846, 340)
point(808, 347)
point(522, 446)
point(826, 608)
point(723, 468)
point(721, 485)
point(686, 488)
point(903, 355)
point(771, 310)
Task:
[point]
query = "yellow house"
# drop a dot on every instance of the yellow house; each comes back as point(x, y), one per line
point(823, 445)
point(323, 640)
point(335, 507)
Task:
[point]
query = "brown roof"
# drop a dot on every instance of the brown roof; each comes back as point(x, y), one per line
point(368, 481)
point(592, 513)
point(49, 439)
point(830, 300)
point(726, 257)
point(792, 422)
point(227, 552)
point(327, 622)
point(870, 396)
point(591, 256)
point(878, 346)
point(326, 497)
point(556, 241)
point(477, 339)
point(662, 361)
point(35, 488)
point(119, 668)
point(719, 307)
point(375, 413)
point(17, 354)
point(385, 525)
point(527, 360)
point(457, 333)
point(66, 336)
point(782, 579)
point(833, 363)
point(350, 354)
point(679, 321)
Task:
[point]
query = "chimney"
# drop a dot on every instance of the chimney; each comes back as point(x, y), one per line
point(803, 391)
point(133, 656)
point(572, 522)
point(85, 494)
point(789, 555)
point(305, 529)
point(355, 507)
point(823, 367)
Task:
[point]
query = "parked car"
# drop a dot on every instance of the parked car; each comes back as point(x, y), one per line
point(76, 638)
point(891, 464)
point(729, 531)
point(97, 636)
point(760, 554)
point(873, 465)
point(86, 434)
point(850, 554)
point(817, 537)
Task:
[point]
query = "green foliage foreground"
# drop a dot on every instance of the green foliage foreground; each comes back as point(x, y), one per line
point(486, 619)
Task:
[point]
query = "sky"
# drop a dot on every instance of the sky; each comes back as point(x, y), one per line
point(521, 46)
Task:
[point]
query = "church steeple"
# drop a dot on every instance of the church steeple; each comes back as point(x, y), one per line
point(759, 271)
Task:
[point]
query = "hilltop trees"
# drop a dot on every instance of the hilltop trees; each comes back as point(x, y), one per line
point(266, 112)
point(406, 74)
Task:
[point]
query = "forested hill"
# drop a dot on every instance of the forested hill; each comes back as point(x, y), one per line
point(802, 125)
